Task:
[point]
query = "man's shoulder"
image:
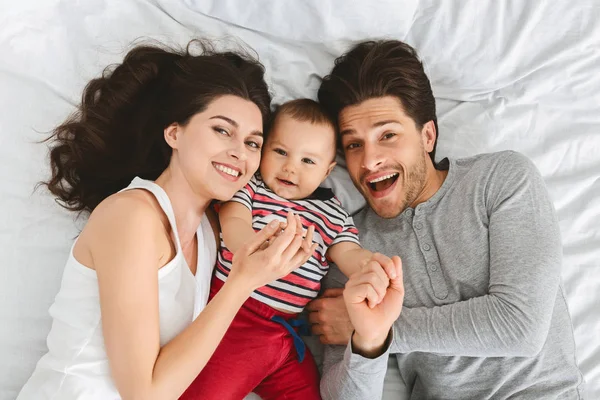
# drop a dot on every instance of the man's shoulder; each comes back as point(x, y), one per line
point(498, 165)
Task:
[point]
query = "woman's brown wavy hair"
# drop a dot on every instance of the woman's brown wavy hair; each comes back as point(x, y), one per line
point(117, 132)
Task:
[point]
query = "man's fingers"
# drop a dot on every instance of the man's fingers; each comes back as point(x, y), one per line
point(398, 282)
point(359, 292)
point(371, 295)
point(386, 263)
point(384, 280)
point(317, 330)
point(376, 277)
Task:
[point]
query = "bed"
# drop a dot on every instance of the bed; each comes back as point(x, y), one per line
point(521, 75)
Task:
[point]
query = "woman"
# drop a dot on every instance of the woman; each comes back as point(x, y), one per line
point(184, 130)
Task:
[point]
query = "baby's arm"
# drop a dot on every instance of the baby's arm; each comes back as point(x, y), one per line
point(350, 257)
point(236, 225)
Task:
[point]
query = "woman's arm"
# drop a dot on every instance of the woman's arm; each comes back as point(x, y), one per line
point(127, 236)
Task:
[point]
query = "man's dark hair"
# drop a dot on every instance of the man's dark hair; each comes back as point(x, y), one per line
point(377, 69)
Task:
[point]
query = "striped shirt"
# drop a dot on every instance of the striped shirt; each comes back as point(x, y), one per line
point(332, 225)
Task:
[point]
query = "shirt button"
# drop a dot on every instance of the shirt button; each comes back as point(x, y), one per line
point(409, 212)
point(419, 225)
point(426, 247)
point(433, 267)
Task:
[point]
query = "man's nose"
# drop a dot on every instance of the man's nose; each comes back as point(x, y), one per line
point(373, 157)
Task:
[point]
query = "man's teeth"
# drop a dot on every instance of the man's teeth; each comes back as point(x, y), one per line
point(383, 178)
point(228, 171)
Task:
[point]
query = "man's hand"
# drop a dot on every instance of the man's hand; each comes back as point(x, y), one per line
point(329, 318)
point(372, 324)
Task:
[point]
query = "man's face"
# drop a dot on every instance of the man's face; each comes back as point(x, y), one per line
point(386, 155)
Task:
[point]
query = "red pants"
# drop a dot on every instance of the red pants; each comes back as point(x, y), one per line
point(255, 355)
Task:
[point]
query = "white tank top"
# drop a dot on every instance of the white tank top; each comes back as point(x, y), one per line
point(76, 365)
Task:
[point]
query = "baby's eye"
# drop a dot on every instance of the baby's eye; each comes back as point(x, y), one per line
point(307, 161)
point(281, 152)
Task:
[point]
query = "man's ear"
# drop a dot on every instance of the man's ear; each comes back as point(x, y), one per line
point(428, 134)
point(172, 134)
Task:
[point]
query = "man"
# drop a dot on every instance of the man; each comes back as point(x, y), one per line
point(484, 315)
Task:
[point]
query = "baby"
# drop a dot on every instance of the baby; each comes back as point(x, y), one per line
point(261, 350)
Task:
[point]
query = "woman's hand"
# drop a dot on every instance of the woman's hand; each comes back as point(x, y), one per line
point(255, 264)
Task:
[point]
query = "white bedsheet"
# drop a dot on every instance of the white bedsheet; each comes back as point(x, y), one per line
point(522, 75)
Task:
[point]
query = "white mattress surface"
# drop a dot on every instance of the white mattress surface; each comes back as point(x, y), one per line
point(521, 75)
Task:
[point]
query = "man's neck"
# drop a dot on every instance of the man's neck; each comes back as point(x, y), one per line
point(433, 183)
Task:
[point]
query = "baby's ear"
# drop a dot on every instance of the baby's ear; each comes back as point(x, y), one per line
point(333, 163)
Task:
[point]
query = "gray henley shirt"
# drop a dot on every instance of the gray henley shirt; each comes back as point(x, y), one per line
point(484, 313)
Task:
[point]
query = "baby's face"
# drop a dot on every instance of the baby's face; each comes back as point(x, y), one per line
point(297, 157)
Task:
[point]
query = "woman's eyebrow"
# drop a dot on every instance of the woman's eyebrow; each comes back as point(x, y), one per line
point(235, 124)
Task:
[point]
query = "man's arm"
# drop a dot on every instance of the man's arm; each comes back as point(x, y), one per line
point(347, 375)
point(357, 370)
point(513, 319)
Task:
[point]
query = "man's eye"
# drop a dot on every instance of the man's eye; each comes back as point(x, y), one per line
point(307, 161)
point(281, 152)
point(352, 146)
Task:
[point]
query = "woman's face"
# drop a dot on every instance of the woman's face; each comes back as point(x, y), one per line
point(218, 151)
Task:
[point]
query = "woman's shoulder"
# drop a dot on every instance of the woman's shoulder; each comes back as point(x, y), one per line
point(125, 217)
point(132, 206)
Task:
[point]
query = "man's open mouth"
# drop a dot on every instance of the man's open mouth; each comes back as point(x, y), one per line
point(383, 182)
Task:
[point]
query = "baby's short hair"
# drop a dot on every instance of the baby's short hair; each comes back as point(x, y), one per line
point(302, 110)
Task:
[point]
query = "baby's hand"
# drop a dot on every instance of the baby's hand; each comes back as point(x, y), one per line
point(384, 268)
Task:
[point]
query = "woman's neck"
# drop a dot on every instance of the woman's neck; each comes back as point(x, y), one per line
point(188, 206)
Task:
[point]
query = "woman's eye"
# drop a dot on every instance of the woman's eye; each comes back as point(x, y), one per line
point(254, 145)
point(307, 161)
point(388, 135)
point(281, 152)
point(221, 131)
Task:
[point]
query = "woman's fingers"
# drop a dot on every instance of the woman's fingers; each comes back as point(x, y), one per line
point(308, 239)
point(301, 257)
point(283, 240)
point(265, 234)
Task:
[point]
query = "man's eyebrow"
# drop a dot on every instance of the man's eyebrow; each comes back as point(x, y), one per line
point(387, 121)
point(351, 131)
point(235, 124)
